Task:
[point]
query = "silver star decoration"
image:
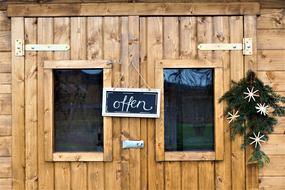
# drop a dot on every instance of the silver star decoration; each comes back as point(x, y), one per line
point(257, 139)
point(232, 116)
point(250, 94)
point(262, 109)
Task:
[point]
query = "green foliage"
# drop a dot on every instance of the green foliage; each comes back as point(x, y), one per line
point(250, 121)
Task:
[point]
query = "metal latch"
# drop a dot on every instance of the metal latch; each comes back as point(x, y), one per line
point(21, 47)
point(246, 46)
point(133, 144)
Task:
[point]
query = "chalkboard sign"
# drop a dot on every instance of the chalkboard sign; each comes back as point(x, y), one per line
point(131, 102)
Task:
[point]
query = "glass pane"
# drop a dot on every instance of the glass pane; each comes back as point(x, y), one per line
point(188, 109)
point(78, 121)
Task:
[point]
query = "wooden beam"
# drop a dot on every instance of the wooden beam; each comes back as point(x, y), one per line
point(124, 9)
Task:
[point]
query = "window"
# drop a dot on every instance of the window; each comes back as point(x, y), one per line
point(191, 126)
point(75, 128)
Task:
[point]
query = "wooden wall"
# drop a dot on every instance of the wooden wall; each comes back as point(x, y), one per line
point(5, 102)
point(271, 69)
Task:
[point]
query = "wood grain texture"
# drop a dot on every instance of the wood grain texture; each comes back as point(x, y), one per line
point(5, 146)
point(143, 70)
point(263, 3)
point(134, 81)
point(31, 116)
point(271, 19)
point(275, 145)
point(5, 41)
point(111, 44)
point(237, 72)
point(5, 104)
point(222, 169)
point(271, 60)
point(45, 169)
point(5, 78)
point(154, 51)
point(18, 119)
point(205, 35)
point(250, 63)
point(271, 39)
point(121, 39)
point(170, 50)
point(279, 128)
point(5, 62)
point(125, 80)
point(276, 79)
point(95, 176)
point(5, 167)
point(62, 35)
point(188, 50)
point(6, 183)
point(268, 183)
point(78, 51)
point(5, 125)
point(206, 175)
point(5, 22)
point(275, 168)
point(123, 9)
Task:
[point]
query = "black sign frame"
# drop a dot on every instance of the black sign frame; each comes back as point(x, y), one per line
point(146, 113)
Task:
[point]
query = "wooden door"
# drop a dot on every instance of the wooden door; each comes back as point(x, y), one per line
point(134, 44)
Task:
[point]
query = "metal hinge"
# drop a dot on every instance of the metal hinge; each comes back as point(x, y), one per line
point(20, 47)
point(246, 46)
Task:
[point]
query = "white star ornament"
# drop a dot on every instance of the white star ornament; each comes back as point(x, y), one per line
point(250, 94)
point(262, 109)
point(232, 116)
point(257, 139)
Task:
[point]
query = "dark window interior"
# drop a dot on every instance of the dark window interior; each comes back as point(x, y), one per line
point(189, 109)
point(77, 110)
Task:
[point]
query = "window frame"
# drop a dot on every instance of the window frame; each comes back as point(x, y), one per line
point(218, 152)
point(48, 87)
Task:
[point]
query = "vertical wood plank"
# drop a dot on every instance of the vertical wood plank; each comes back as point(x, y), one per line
point(31, 106)
point(95, 51)
point(189, 175)
point(45, 169)
point(237, 72)
point(134, 80)
point(48, 116)
point(62, 35)
point(188, 50)
point(143, 68)
point(205, 35)
point(222, 169)
point(125, 79)
point(111, 41)
point(78, 51)
point(206, 172)
point(171, 51)
point(18, 120)
point(154, 51)
point(250, 63)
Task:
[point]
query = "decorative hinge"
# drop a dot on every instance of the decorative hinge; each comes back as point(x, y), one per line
point(246, 46)
point(21, 47)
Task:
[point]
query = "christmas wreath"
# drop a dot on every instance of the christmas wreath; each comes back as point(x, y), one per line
point(251, 111)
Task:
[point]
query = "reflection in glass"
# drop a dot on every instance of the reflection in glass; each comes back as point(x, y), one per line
point(78, 122)
point(188, 109)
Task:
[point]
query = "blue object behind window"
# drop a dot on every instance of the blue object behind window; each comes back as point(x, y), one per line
point(189, 109)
